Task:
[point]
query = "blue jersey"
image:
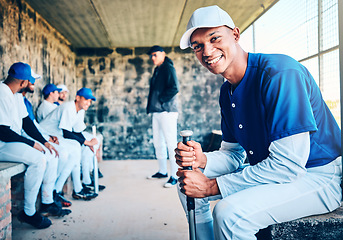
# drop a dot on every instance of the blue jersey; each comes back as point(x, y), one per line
point(276, 98)
point(29, 108)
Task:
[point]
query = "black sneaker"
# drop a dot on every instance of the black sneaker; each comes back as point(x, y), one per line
point(158, 175)
point(53, 210)
point(171, 182)
point(100, 175)
point(90, 187)
point(60, 200)
point(36, 220)
point(84, 194)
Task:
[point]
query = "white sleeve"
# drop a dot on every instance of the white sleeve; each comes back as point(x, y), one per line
point(5, 111)
point(227, 159)
point(67, 118)
point(79, 124)
point(285, 163)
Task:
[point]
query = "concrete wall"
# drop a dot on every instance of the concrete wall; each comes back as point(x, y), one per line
point(119, 78)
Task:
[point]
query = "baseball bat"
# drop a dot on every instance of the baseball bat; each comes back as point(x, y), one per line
point(95, 165)
point(186, 136)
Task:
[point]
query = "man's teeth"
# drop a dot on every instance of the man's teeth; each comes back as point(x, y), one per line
point(214, 60)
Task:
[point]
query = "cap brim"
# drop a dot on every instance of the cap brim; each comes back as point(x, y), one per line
point(59, 89)
point(32, 80)
point(185, 41)
point(35, 75)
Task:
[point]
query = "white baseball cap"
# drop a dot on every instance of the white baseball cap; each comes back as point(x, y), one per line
point(63, 87)
point(206, 17)
point(35, 75)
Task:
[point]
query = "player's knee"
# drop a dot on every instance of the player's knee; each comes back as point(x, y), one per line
point(39, 163)
point(225, 214)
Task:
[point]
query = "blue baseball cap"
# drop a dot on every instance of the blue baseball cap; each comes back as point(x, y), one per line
point(86, 93)
point(21, 71)
point(50, 88)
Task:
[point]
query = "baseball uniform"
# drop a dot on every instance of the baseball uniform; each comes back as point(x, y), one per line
point(41, 168)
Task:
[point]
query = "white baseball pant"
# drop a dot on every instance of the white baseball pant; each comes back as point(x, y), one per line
point(87, 156)
point(164, 127)
point(69, 159)
point(242, 214)
point(41, 171)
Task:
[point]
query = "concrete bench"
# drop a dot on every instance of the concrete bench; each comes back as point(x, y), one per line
point(7, 171)
point(322, 227)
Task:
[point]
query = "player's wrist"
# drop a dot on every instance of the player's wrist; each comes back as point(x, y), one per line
point(213, 188)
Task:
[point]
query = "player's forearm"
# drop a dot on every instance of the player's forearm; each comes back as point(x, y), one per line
point(7, 135)
point(75, 136)
point(31, 130)
point(285, 163)
point(226, 160)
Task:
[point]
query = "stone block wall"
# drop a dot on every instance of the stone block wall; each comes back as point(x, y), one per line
point(27, 37)
point(121, 84)
point(119, 78)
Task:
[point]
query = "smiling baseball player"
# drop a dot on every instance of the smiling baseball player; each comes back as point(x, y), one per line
point(66, 121)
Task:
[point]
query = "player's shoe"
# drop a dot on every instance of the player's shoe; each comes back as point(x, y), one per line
point(90, 187)
point(53, 210)
point(100, 175)
point(171, 182)
point(158, 175)
point(84, 195)
point(61, 200)
point(36, 220)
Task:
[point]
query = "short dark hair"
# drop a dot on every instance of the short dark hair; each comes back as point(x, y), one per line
point(155, 48)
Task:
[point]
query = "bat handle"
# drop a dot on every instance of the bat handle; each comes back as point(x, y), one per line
point(186, 136)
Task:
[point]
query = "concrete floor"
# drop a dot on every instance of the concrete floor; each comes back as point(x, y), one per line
point(130, 208)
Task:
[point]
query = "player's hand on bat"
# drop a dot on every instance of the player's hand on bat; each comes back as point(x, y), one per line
point(91, 143)
point(190, 155)
point(195, 184)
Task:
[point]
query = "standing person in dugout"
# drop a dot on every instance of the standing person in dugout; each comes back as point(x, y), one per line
point(274, 115)
point(162, 103)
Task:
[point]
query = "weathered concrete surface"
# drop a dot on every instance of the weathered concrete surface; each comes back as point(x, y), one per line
point(322, 227)
point(130, 208)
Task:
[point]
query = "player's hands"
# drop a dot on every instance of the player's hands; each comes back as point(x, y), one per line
point(195, 184)
point(91, 143)
point(51, 148)
point(54, 139)
point(190, 155)
point(38, 147)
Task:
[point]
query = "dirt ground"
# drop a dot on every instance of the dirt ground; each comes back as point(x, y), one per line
point(130, 208)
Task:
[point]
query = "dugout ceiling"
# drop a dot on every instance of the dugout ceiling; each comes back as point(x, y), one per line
point(135, 23)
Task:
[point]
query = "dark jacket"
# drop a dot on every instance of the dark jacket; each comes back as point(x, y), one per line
point(163, 89)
